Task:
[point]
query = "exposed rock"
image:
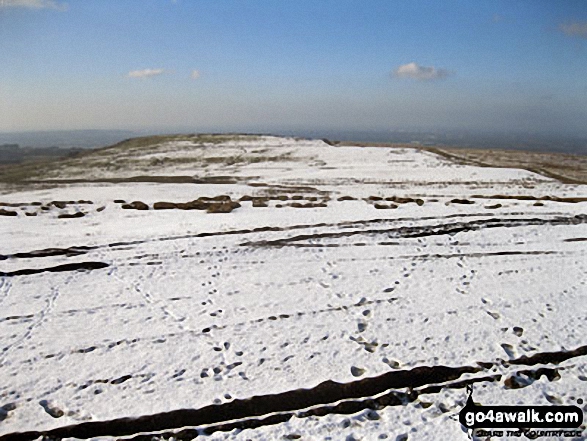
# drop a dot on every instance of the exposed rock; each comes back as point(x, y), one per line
point(4, 212)
point(59, 204)
point(307, 205)
point(71, 216)
point(384, 206)
point(222, 207)
point(462, 201)
point(221, 198)
point(164, 205)
point(198, 204)
point(136, 205)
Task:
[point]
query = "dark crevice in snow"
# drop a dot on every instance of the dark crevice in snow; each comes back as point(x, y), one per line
point(79, 266)
point(48, 252)
point(425, 230)
point(327, 398)
point(79, 250)
point(548, 357)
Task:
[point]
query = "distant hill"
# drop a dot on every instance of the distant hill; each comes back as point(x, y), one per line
point(66, 138)
point(550, 143)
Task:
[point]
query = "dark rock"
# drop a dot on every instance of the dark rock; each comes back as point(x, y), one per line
point(193, 205)
point(384, 207)
point(71, 216)
point(462, 201)
point(59, 204)
point(136, 205)
point(221, 198)
point(164, 206)
point(222, 207)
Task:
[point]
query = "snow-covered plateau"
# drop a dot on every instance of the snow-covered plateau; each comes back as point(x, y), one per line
point(258, 287)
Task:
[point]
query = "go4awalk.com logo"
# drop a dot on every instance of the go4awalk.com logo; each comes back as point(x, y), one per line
point(521, 420)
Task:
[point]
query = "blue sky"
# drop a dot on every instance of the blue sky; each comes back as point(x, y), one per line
point(270, 65)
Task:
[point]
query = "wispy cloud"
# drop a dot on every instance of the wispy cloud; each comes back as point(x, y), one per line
point(145, 73)
point(195, 74)
point(423, 73)
point(34, 4)
point(497, 18)
point(574, 29)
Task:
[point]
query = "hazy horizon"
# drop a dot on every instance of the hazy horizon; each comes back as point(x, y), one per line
point(456, 138)
point(159, 65)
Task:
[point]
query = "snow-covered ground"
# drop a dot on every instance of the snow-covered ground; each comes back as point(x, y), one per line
point(349, 263)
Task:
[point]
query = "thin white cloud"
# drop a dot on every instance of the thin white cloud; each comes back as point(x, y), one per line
point(34, 4)
point(423, 73)
point(574, 29)
point(195, 74)
point(497, 18)
point(145, 73)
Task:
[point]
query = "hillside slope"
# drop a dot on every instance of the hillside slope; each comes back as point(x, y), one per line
point(156, 286)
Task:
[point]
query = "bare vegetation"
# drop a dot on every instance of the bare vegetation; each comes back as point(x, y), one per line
point(566, 168)
point(569, 169)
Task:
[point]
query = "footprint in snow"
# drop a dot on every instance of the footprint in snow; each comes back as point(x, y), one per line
point(509, 350)
point(356, 371)
point(51, 409)
point(5, 409)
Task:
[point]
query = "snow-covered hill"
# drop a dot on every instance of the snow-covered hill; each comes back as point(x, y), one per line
point(156, 286)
